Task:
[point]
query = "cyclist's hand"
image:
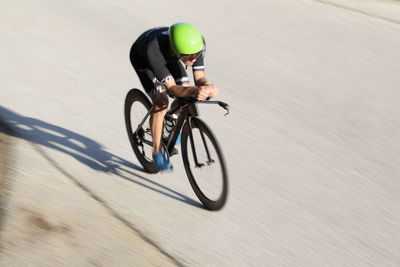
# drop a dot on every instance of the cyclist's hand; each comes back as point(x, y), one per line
point(213, 90)
point(206, 91)
point(203, 92)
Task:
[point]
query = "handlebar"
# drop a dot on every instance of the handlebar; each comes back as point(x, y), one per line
point(190, 100)
point(220, 103)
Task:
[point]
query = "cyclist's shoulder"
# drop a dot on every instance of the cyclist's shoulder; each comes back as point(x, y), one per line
point(155, 32)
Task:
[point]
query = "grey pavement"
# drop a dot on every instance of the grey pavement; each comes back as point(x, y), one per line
point(312, 141)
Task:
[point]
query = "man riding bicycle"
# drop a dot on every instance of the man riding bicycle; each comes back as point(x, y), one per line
point(156, 57)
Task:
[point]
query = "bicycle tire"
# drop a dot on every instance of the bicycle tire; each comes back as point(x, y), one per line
point(135, 96)
point(201, 194)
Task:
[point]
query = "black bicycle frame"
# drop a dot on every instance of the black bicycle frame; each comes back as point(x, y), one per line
point(187, 110)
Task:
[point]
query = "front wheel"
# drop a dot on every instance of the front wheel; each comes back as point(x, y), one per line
point(204, 164)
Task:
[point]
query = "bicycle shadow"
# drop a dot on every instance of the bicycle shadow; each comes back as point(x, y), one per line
point(84, 150)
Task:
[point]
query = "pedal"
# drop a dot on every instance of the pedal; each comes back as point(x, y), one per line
point(174, 152)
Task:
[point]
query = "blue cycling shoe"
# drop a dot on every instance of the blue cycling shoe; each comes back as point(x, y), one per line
point(161, 161)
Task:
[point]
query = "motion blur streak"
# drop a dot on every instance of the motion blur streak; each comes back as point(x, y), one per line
point(312, 142)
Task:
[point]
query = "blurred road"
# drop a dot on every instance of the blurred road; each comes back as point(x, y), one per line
point(312, 142)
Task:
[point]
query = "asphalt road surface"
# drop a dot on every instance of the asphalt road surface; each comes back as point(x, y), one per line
point(312, 142)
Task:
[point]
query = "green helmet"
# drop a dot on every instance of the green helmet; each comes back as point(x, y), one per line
point(185, 39)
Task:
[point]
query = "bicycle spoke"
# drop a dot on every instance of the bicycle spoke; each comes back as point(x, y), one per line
point(205, 146)
point(197, 164)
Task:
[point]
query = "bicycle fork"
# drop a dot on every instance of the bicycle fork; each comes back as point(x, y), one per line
point(209, 159)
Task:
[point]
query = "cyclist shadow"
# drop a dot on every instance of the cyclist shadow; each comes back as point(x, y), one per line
point(83, 149)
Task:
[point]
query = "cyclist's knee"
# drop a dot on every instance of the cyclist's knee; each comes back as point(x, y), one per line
point(160, 102)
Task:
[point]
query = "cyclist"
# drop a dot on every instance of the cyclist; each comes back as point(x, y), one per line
point(156, 57)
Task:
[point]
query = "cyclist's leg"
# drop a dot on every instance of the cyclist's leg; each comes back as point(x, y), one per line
point(158, 95)
point(160, 104)
point(180, 75)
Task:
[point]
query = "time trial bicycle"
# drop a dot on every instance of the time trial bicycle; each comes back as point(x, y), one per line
point(202, 155)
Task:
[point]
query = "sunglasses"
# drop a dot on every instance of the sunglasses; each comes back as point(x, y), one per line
point(189, 57)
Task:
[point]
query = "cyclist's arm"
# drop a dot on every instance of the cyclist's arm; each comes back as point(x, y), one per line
point(180, 90)
point(199, 74)
point(201, 80)
point(199, 92)
point(199, 77)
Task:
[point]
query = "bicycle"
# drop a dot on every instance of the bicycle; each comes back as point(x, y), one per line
point(201, 152)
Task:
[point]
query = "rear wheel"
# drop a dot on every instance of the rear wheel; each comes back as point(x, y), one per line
point(204, 164)
point(137, 105)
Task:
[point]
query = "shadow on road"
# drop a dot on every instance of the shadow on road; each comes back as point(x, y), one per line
point(83, 149)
